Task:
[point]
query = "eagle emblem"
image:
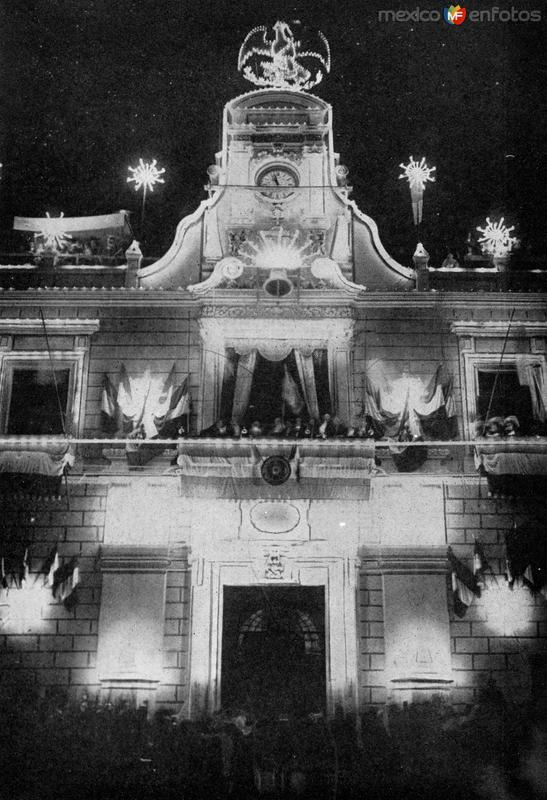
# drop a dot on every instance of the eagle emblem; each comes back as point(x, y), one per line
point(279, 61)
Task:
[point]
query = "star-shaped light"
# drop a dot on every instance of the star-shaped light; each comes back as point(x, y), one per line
point(52, 233)
point(146, 174)
point(496, 239)
point(417, 173)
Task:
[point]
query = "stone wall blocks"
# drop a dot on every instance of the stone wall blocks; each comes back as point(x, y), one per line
point(55, 642)
point(462, 661)
point(489, 662)
point(471, 645)
point(71, 659)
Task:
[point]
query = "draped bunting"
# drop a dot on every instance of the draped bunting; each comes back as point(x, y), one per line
point(138, 403)
point(35, 457)
point(322, 462)
point(405, 404)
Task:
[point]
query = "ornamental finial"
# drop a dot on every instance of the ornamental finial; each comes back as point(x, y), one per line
point(278, 61)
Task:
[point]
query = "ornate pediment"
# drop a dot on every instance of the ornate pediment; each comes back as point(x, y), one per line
point(278, 262)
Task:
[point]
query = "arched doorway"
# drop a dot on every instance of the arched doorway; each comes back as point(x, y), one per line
point(273, 650)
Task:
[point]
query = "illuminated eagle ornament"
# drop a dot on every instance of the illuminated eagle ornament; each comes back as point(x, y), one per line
point(277, 62)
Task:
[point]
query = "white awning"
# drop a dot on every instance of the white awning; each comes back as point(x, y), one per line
point(103, 223)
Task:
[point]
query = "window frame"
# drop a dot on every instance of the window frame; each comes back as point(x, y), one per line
point(73, 356)
point(63, 359)
point(526, 340)
point(473, 363)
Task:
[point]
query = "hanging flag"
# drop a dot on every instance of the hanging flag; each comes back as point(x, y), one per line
point(50, 566)
point(109, 406)
point(65, 580)
point(4, 585)
point(480, 564)
point(464, 585)
point(25, 574)
point(290, 394)
point(436, 411)
point(172, 405)
point(526, 555)
point(125, 400)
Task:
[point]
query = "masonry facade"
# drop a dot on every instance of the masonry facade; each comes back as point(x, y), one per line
point(278, 260)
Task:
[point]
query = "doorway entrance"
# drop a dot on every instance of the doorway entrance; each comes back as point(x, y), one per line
point(273, 650)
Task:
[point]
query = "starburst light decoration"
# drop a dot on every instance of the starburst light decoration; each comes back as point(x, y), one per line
point(278, 61)
point(417, 173)
point(496, 239)
point(277, 249)
point(53, 233)
point(146, 174)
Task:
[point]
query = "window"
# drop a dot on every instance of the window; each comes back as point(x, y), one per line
point(38, 400)
point(500, 394)
point(515, 384)
point(40, 397)
point(41, 393)
point(265, 401)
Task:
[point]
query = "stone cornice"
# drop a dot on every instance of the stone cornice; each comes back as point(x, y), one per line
point(180, 298)
point(56, 326)
point(499, 328)
point(403, 560)
point(118, 558)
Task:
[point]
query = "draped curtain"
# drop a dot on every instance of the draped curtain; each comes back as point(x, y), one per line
point(531, 375)
point(244, 381)
point(306, 373)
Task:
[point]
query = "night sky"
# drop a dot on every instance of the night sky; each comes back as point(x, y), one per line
point(88, 87)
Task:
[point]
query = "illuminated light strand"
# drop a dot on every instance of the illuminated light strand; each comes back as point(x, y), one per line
point(496, 239)
point(279, 59)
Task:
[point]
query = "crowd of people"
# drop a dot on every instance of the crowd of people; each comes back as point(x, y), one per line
point(499, 428)
point(90, 249)
point(328, 427)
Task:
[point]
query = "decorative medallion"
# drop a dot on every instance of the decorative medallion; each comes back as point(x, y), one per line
point(276, 470)
point(272, 517)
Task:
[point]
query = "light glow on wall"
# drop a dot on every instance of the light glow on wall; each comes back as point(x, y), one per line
point(277, 250)
point(506, 608)
point(23, 608)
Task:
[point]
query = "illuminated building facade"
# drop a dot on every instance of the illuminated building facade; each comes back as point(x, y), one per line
point(300, 572)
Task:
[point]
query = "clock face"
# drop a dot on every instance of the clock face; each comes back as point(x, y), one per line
point(279, 181)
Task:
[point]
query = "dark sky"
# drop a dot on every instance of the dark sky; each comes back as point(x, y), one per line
point(89, 86)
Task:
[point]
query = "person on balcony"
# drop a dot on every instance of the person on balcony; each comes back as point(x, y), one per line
point(278, 428)
point(327, 428)
point(296, 430)
point(493, 428)
point(511, 426)
point(255, 431)
point(219, 430)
